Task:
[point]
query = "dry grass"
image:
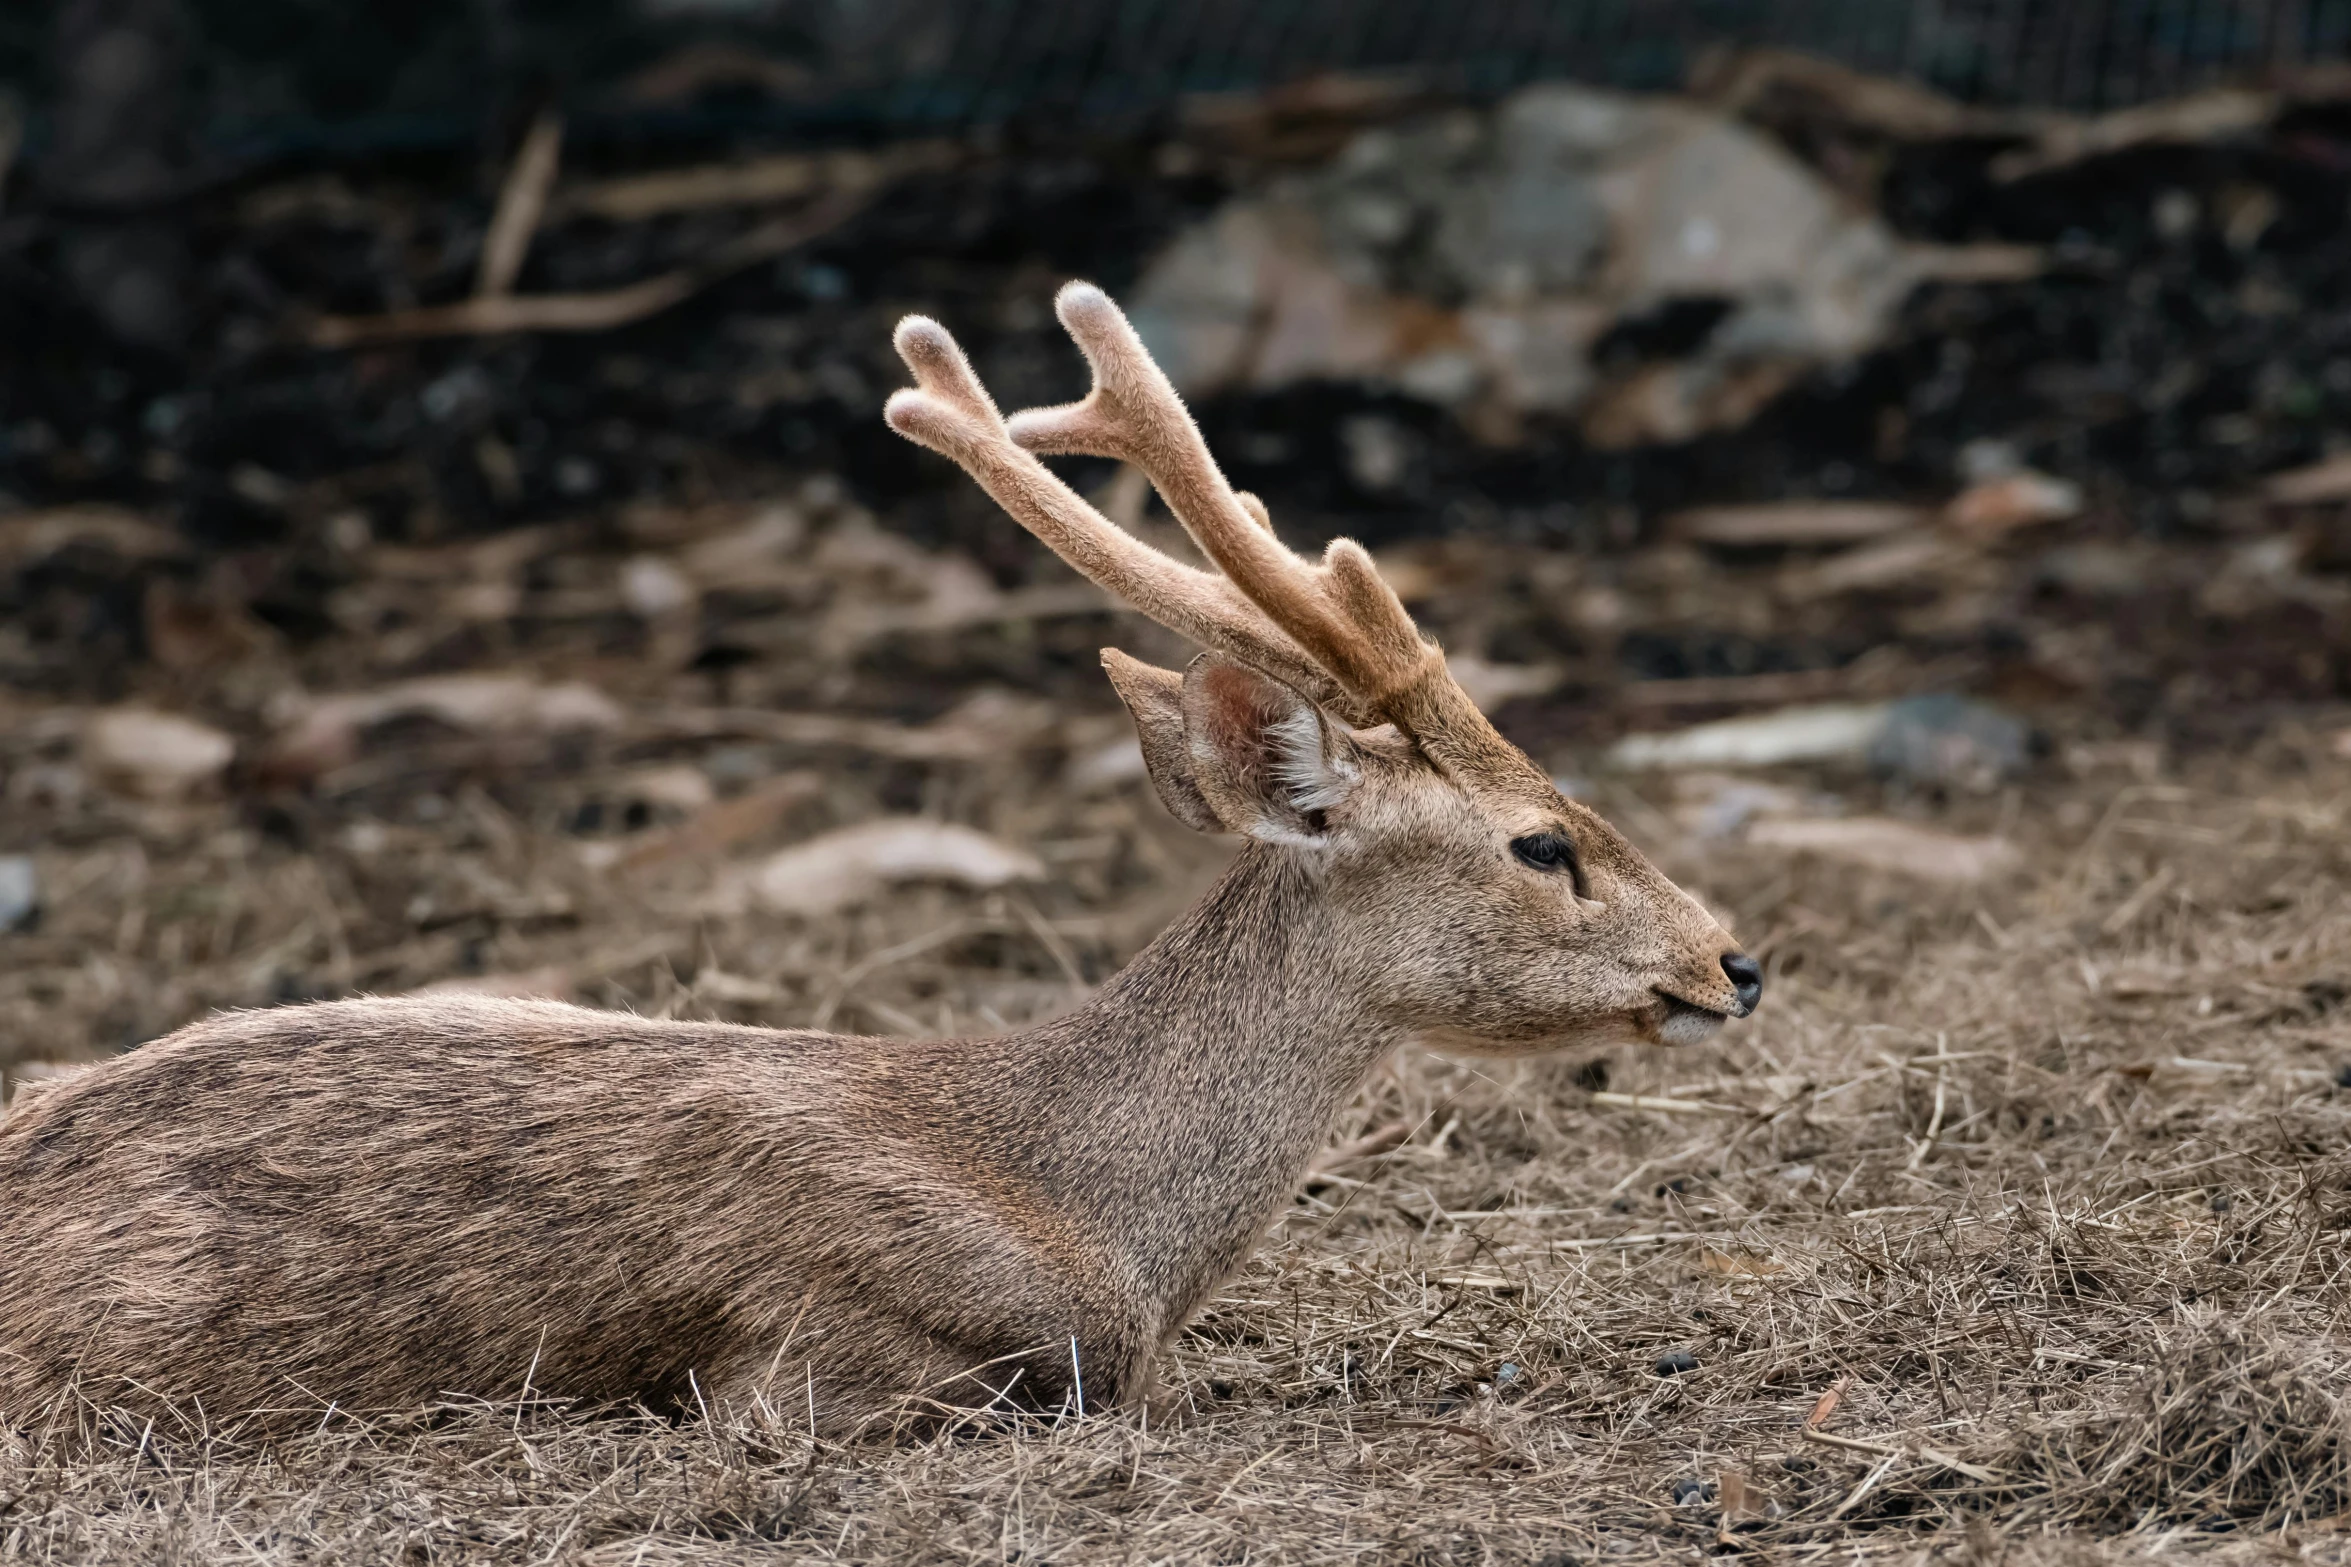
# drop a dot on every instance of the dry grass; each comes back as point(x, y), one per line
point(2100, 1291)
point(2047, 1177)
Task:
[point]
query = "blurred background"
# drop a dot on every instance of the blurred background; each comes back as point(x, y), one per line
point(448, 536)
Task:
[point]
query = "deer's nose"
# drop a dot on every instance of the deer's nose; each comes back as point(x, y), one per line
point(1746, 977)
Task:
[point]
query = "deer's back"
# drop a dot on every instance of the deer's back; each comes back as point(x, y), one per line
point(382, 1202)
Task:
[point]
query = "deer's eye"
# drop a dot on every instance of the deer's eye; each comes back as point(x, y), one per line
point(1549, 851)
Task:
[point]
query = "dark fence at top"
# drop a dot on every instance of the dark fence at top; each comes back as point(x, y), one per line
point(272, 77)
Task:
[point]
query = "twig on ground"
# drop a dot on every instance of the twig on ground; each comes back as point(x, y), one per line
point(520, 202)
point(1379, 1140)
point(1869, 1483)
point(598, 312)
point(1888, 1450)
point(1926, 1144)
point(1663, 1106)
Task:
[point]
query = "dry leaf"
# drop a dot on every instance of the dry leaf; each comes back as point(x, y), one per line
point(726, 824)
point(845, 867)
point(1490, 685)
point(1881, 843)
point(2321, 482)
point(34, 536)
point(1742, 1499)
point(787, 176)
point(326, 735)
point(1794, 523)
point(156, 755)
point(1826, 1404)
point(1888, 563)
point(1109, 766)
point(1824, 732)
point(2013, 500)
point(680, 787)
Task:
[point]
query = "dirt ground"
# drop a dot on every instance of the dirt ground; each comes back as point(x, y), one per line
point(2041, 1173)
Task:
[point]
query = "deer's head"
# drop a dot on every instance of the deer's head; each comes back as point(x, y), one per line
point(1480, 907)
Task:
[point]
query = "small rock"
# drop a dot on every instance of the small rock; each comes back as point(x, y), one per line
point(1674, 1362)
point(1948, 740)
point(654, 588)
point(1505, 1374)
point(20, 893)
point(1379, 453)
point(1987, 458)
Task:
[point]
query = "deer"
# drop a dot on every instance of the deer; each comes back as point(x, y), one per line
point(380, 1203)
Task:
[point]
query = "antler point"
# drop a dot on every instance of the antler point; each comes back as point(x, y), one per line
point(1082, 308)
point(913, 330)
point(914, 414)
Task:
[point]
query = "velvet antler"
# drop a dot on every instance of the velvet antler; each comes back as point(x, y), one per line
point(1336, 631)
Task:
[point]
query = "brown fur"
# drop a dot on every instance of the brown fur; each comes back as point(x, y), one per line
point(377, 1203)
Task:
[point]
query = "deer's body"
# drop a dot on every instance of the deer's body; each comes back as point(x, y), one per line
point(376, 1204)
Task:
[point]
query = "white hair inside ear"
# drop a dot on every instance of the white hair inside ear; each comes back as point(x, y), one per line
point(1312, 772)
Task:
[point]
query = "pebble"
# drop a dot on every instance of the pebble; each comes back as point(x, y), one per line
point(20, 892)
point(1676, 1361)
point(1947, 740)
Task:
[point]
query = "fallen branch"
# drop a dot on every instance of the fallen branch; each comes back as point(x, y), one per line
point(598, 312)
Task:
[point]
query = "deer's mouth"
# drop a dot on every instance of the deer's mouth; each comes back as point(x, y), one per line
point(1677, 1022)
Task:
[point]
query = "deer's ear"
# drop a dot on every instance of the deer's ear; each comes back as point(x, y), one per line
point(1264, 758)
point(1155, 697)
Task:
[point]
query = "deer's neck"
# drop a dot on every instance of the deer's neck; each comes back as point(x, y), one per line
point(1175, 1112)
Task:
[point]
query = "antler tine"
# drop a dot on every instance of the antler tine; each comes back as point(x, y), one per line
point(950, 412)
point(1342, 613)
